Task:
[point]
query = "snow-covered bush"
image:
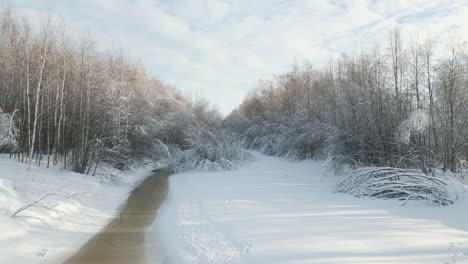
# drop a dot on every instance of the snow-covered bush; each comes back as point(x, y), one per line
point(209, 149)
point(297, 138)
point(463, 171)
point(8, 132)
point(394, 183)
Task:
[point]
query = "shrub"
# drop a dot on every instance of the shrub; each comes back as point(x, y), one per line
point(8, 132)
point(209, 149)
point(394, 183)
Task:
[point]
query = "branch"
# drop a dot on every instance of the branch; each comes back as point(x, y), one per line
point(38, 202)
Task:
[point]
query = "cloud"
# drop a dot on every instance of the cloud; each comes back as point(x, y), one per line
point(222, 47)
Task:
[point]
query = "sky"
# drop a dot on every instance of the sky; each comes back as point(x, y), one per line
point(219, 49)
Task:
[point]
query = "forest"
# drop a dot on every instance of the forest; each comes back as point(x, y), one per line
point(400, 104)
point(65, 102)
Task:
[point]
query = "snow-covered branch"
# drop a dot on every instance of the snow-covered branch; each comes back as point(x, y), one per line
point(394, 183)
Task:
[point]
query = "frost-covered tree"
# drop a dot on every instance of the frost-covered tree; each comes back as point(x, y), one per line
point(394, 105)
point(8, 132)
point(65, 102)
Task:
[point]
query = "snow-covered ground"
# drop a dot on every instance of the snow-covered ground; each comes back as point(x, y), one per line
point(80, 205)
point(276, 211)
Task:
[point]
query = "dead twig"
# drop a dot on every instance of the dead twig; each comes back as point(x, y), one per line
point(40, 202)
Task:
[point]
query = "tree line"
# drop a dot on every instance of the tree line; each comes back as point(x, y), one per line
point(64, 102)
point(399, 104)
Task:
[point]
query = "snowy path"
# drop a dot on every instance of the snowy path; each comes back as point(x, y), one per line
point(275, 211)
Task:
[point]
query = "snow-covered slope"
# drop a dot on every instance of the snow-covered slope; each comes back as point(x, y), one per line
point(276, 211)
point(73, 208)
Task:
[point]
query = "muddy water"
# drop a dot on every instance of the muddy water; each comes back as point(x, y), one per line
point(122, 241)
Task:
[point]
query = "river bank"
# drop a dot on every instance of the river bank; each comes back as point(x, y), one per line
point(123, 241)
point(73, 208)
point(276, 211)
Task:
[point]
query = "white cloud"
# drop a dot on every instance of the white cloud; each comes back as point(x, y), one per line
point(222, 47)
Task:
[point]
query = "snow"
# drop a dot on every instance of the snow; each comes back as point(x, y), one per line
point(81, 206)
point(276, 211)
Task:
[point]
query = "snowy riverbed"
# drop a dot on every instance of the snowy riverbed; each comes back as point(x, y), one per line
point(276, 211)
point(79, 207)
